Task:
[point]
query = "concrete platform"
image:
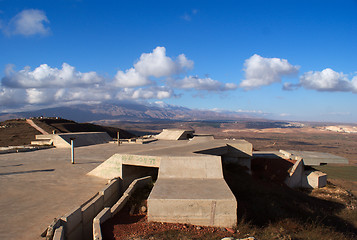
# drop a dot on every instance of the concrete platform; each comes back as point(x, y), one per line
point(205, 202)
point(38, 186)
point(312, 158)
point(192, 190)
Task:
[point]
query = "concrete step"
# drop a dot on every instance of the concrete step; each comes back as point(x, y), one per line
point(42, 142)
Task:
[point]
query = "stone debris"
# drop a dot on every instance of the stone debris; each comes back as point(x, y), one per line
point(232, 238)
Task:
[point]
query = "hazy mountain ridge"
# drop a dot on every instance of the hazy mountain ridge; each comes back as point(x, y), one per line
point(126, 111)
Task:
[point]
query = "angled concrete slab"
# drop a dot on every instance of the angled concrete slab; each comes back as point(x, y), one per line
point(314, 158)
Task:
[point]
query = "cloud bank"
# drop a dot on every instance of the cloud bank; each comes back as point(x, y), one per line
point(153, 76)
point(260, 71)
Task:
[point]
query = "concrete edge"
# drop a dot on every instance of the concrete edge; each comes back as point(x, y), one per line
point(59, 233)
point(103, 216)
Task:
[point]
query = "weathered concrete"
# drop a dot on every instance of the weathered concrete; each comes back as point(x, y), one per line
point(206, 202)
point(113, 167)
point(38, 186)
point(175, 134)
point(59, 234)
point(98, 220)
point(295, 178)
point(192, 190)
point(63, 140)
point(314, 179)
point(314, 158)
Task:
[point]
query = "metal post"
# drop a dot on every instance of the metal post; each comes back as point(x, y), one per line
point(118, 139)
point(72, 150)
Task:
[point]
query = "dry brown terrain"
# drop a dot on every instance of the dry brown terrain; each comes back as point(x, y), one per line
point(18, 132)
point(307, 138)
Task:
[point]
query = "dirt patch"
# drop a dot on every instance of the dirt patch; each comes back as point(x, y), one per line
point(135, 226)
point(16, 133)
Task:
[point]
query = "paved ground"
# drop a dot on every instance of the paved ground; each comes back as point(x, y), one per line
point(41, 185)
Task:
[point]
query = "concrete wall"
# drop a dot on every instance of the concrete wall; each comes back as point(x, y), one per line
point(299, 177)
point(191, 167)
point(108, 212)
point(192, 190)
point(113, 166)
point(294, 180)
point(62, 140)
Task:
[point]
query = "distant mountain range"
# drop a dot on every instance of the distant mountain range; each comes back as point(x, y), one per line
point(127, 111)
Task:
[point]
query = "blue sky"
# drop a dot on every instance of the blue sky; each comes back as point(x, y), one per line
point(289, 60)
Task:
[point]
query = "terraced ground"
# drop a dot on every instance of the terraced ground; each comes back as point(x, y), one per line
point(18, 132)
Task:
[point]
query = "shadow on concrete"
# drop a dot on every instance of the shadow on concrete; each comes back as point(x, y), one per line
point(263, 202)
point(23, 172)
point(14, 165)
point(88, 162)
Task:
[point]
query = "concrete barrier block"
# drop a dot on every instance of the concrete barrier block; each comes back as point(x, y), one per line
point(119, 204)
point(76, 234)
point(103, 216)
point(314, 179)
point(110, 190)
point(59, 233)
point(72, 220)
point(98, 202)
point(97, 233)
point(131, 189)
point(88, 212)
point(88, 230)
point(141, 182)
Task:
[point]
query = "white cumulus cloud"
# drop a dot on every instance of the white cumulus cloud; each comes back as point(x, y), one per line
point(130, 78)
point(44, 76)
point(208, 84)
point(328, 80)
point(260, 71)
point(28, 22)
point(155, 64)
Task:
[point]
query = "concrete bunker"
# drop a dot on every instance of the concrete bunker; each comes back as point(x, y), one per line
point(190, 187)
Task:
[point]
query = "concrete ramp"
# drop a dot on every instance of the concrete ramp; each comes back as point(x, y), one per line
point(192, 190)
point(312, 158)
point(175, 134)
point(63, 140)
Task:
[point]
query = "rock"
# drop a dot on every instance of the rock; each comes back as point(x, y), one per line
point(230, 230)
point(198, 228)
point(143, 209)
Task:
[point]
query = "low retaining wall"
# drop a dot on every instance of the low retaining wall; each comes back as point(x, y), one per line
point(77, 224)
point(108, 213)
point(84, 222)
